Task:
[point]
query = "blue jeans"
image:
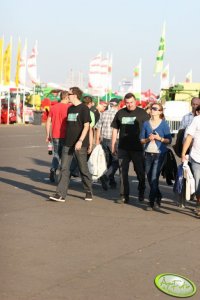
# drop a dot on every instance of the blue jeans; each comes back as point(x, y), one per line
point(153, 164)
point(137, 158)
point(115, 163)
point(64, 175)
point(57, 152)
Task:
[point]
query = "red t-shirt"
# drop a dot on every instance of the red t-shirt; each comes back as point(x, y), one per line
point(58, 114)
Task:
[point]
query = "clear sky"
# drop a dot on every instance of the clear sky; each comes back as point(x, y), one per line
point(71, 32)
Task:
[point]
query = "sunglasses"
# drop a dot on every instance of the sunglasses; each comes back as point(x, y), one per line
point(155, 109)
point(69, 94)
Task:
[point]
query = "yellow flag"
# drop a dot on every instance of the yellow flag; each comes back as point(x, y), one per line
point(1, 60)
point(18, 63)
point(7, 65)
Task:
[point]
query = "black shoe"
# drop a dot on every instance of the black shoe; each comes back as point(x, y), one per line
point(104, 180)
point(141, 197)
point(57, 197)
point(88, 196)
point(113, 184)
point(52, 175)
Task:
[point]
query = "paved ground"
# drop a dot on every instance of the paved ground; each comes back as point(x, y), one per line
point(79, 250)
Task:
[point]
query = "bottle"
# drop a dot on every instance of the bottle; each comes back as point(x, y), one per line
point(50, 148)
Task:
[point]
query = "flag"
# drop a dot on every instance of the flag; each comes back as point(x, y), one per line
point(104, 74)
point(1, 60)
point(18, 64)
point(7, 64)
point(94, 82)
point(22, 66)
point(160, 53)
point(137, 78)
point(32, 64)
point(164, 78)
point(188, 78)
point(172, 81)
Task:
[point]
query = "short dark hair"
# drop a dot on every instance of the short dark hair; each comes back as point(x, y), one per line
point(87, 100)
point(129, 95)
point(76, 91)
point(63, 95)
point(197, 109)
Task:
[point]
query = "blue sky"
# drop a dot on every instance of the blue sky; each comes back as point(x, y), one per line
point(70, 33)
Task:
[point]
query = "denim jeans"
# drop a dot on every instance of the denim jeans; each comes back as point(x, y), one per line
point(137, 157)
point(64, 175)
point(153, 164)
point(115, 163)
point(57, 152)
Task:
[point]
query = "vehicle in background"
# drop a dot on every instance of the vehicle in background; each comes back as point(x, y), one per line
point(177, 102)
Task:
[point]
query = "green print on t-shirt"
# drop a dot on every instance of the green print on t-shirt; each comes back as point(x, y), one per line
point(72, 117)
point(128, 120)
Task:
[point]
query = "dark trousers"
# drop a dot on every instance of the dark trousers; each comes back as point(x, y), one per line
point(114, 166)
point(153, 164)
point(57, 152)
point(66, 159)
point(137, 158)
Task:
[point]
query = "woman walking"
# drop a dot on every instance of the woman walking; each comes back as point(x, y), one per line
point(155, 135)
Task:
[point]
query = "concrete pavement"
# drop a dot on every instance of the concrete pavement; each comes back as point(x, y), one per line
point(79, 250)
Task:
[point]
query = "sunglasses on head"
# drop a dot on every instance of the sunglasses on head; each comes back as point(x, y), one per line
point(155, 109)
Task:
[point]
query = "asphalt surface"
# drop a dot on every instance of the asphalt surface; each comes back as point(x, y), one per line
point(81, 250)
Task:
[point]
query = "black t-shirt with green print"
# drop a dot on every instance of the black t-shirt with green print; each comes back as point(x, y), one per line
point(129, 123)
point(77, 117)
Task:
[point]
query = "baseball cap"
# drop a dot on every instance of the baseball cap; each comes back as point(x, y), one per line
point(114, 101)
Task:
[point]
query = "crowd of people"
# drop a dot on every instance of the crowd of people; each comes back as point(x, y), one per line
point(129, 134)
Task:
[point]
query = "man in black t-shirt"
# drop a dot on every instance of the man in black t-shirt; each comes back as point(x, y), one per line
point(76, 143)
point(128, 121)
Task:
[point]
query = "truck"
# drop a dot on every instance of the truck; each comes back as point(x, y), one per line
point(176, 101)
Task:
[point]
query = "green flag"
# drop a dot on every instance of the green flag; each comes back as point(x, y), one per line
point(160, 53)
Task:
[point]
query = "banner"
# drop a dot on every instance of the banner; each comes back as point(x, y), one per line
point(18, 64)
point(32, 65)
point(7, 64)
point(188, 78)
point(137, 80)
point(22, 67)
point(160, 53)
point(1, 60)
point(164, 78)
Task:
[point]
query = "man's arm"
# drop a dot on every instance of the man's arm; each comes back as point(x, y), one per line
point(48, 129)
point(114, 138)
point(186, 145)
point(91, 137)
point(83, 135)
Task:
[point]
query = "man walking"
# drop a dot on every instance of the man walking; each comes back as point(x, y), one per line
point(55, 130)
point(104, 135)
point(76, 143)
point(128, 121)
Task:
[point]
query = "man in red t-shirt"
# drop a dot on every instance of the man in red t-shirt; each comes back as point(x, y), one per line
point(55, 129)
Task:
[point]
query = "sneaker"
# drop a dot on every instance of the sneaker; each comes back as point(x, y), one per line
point(149, 208)
point(104, 180)
point(57, 197)
point(52, 175)
point(156, 206)
point(120, 201)
point(88, 196)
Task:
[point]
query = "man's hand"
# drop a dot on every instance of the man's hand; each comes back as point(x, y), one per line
point(78, 145)
point(89, 149)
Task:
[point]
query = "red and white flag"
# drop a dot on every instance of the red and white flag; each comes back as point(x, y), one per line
point(164, 78)
point(22, 65)
point(32, 65)
point(188, 78)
